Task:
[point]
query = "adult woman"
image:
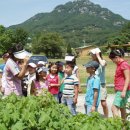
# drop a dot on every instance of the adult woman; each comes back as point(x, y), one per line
point(13, 74)
point(121, 82)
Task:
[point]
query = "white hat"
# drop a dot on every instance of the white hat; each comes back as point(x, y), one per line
point(69, 58)
point(94, 51)
point(42, 69)
point(21, 54)
point(41, 62)
point(33, 65)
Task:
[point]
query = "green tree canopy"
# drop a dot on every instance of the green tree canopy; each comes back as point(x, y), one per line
point(10, 37)
point(52, 44)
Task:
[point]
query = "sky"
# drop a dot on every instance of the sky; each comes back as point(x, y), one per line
point(17, 11)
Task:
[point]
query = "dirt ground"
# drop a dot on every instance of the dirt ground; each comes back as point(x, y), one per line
point(81, 100)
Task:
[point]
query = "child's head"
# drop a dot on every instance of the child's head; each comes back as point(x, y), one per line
point(41, 73)
point(91, 66)
point(60, 65)
point(53, 68)
point(116, 54)
point(69, 68)
point(93, 53)
point(41, 64)
point(31, 68)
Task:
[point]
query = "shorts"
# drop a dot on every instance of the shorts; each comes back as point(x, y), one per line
point(119, 101)
point(103, 92)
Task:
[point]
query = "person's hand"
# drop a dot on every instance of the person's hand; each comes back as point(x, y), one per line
point(75, 100)
point(97, 54)
point(123, 94)
point(93, 109)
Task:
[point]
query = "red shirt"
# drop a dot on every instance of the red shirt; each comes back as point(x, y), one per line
point(120, 77)
point(55, 80)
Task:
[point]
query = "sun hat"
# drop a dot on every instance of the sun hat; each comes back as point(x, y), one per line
point(33, 65)
point(69, 58)
point(21, 54)
point(93, 64)
point(42, 69)
point(42, 63)
point(95, 50)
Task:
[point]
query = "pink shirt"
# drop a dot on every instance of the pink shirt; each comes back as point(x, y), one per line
point(13, 84)
point(119, 75)
point(54, 80)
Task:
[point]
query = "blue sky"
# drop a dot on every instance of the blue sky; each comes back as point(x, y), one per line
point(17, 11)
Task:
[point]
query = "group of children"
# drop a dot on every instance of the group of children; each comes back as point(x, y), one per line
point(64, 84)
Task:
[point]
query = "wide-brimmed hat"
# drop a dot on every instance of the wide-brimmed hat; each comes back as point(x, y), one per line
point(21, 54)
point(94, 51)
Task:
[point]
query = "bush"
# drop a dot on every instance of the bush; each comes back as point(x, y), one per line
point(43, 113)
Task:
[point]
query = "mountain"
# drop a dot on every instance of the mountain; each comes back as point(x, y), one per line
point(79, 22)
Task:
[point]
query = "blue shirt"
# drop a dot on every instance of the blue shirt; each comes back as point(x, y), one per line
point(93, 82)
point(100, 72)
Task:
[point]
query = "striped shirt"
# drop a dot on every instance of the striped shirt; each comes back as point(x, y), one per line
point(70, 82)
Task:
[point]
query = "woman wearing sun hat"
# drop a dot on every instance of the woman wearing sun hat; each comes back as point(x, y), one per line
point(13, 74)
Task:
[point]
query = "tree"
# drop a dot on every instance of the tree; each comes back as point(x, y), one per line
point(52, 44)
point(10, 37)
point(69, 50)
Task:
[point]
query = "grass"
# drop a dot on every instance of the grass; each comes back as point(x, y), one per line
point(110, 90)
point(110, 68)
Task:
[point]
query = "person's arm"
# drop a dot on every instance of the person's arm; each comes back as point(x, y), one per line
point(76, 93)
point(21, 74)
point(101, 61)
point(127, 82)
point(94, 100)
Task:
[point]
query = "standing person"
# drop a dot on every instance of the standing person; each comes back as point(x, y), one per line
point(61, 76)
point(92, 98)
point(5, 57)
point(28, 78)
point(70, 58)
point(53, 80)
point(70, 91)
point(13, 74)
point(121, 82)
point(97, 56)
point(39, 85)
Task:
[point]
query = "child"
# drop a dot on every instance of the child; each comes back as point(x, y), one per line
point(39, 85)
point(70, 58)
point(93, 88)
point(53, 80)
point(121, 83)
point(97, 56)
point(61, 76)
point(70, 92)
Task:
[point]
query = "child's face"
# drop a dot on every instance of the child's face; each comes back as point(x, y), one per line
point(54, 69)
point(90, 70)
point(42, 74)
point(31, 70)
point(61, 68)
point(94, 57)
point(116, 60)
point(68, 70)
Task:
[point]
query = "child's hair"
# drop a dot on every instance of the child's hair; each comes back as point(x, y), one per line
point(51, 64)
point(14, 48)
point(72, 65)
point(116, 52)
